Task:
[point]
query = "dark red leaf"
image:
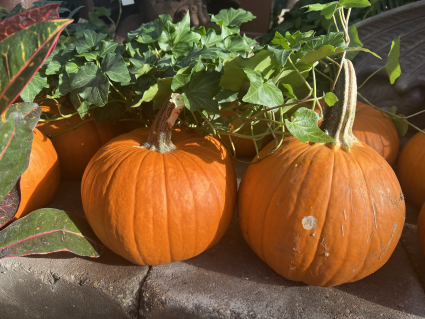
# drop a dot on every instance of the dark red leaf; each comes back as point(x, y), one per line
point(49, 230)
point(27, 19)
point(10, 204)
point(22, 54)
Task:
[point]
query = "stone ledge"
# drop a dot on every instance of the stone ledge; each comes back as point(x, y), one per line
point(227, 281)
point(62, 285)
point(230, 281)
point(409, 240)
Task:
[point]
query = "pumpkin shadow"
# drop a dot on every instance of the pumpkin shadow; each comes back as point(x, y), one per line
point(231, 263)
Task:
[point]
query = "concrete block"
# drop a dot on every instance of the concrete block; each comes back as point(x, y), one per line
point(230, 281)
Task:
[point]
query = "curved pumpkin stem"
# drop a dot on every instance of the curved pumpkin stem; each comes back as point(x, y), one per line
point(339, 119)
point(159, 138)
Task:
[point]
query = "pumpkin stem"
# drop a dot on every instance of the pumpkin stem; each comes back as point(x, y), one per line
point(339, 119)
point(159, 138)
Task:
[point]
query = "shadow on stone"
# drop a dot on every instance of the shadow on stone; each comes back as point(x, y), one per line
point(231, 271)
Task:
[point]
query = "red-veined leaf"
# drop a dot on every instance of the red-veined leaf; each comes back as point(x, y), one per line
point(15, 150)
point(10, 204)
point(22, 54)
point(30, 111)
point(49, 230)
point(27, 19)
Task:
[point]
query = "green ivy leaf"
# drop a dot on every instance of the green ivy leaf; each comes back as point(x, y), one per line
point(115, 67)
point(346, 4)
point(303, 126)
point(232, 17)
point(289, 75)
point(135, 48)
point(334, 39)
point(178, 38)
point(261, 93)
point(91, 84)
point(107, 47)
point(327, 9)
point(235, 44)
point(297, 37)
point(72, 68)
point(200, 91)
point(38, 82)
point(392, 66)
point(331, 99)
point(280, 40)
point(225, 97)
point(316, 55)
point(64, 86)
point(89, 56)
point(88, 41)
point(228, 31)
point(158, 93)
point(211, 38)
point(234, 75)
point(151, 31)
point(181, 78)
point(281, 54)
point(192, 58)
point(289, 91)
point(400, 125)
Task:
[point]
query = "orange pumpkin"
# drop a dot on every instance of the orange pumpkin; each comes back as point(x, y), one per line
point(153, 200)
point(75, 147)
point(411, 169)
point(323, 214)
point(377, 131)
point(40, 181)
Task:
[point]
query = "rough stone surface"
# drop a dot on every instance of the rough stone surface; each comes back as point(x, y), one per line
point(227, 281)
point(62, 285)
point(409, 239)
point(230, 281)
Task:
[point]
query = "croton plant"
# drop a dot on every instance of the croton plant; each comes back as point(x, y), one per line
point(26, 40)
point(228, 86)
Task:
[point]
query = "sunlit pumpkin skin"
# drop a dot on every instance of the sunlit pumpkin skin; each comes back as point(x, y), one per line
point(377, 131)
point(323, 214)
point(154, 208)
point(77, 146)
point(244, 147)
point(411, 169)
point(354, 197)
point(40, 181)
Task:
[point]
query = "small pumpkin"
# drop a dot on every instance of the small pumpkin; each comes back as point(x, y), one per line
point(76, 140)
point(323, 214)
point(374, 129)
point(154, 198)
point(411, 169)
point(40, 181)
point(377, 131)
